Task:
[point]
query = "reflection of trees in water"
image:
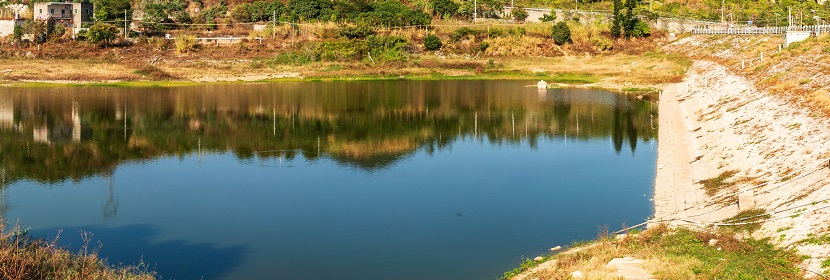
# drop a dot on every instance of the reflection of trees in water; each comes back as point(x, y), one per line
point(367, 125)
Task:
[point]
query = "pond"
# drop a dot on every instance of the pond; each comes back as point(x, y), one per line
point(325, 180)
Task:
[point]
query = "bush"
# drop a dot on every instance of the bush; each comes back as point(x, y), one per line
point(158, 43)
point(519, 13)
point(432, 43)
point(548, 17)
point(355, 32)
point(185, 44)
point(641, 29)
point(463, 32)
point(561, 33)
point(602, 43)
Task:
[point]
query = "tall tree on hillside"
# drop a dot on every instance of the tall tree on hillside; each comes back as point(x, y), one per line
point(111, 9)
point(310, 9)
point(630, 21)
point(616, 25)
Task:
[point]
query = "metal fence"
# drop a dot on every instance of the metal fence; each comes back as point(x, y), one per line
point(752, 30)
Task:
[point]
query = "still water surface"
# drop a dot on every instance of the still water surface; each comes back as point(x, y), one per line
point(333, 180)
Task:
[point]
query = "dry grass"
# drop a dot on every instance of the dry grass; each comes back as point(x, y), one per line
point(24, 257)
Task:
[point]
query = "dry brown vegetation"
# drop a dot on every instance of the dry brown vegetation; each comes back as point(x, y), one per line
point(798, 73)
point(495, 51)
point(24, 257)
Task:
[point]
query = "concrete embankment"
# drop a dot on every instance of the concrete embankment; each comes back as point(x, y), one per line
point(770, 152)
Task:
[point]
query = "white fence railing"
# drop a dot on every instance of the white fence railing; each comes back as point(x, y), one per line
point(752, 30)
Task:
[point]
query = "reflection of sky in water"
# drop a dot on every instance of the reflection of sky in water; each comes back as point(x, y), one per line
point(470, 211)
point(382, 180)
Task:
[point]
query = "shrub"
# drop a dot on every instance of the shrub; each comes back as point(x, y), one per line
point(185, 44)
point(561, 33)
point(641, 29)
point(602, 43)
point(57, 32)
point(432, 43)
point(519, 13)
point(354, 32)
point(463, 32)
point(548, 17)
point(158, 43)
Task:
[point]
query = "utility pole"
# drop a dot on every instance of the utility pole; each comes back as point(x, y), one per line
point(722, 10)
point(125, 24)
point(274, 22)
point(475, 11)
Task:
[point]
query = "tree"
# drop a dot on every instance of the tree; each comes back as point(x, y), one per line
point(629, 20)
point(616, 24)
point(641, 29)
point(111, 9)
point(102, 32)
point(37, 28)
point(561, 33)
point(444, 8)
point(240, 13)
point(155, 17)
point(57, 32)
point(310, 9)
point(432, 43)
point(17, 33)
point(519, 13)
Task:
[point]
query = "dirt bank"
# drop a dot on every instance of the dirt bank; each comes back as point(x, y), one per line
point(717, 127)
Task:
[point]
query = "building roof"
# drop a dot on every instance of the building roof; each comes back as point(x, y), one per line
point(43, 17)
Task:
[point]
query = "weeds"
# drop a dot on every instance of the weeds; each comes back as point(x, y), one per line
point(185, 44)
point(713, 185)
point(25, 257)
point(747, 221)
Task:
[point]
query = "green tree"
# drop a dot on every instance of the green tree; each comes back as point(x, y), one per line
point(444, 8)
point(155, 17)
point(240, 13)
point(17, 33)
point(432, 43)
point(629, 20)
point(561, 33)
point(265, 10)
point(102, 32)
point(617, 22)
point(519, 13)
point(111, 9)
point(310, 9)
point(57, 32)
point(37, 28)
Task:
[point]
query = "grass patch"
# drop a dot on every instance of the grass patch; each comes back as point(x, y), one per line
point(681, 254)
point(153, 73)
point(572, 78)
point(713, 185)
point(25, 257)
point(750, 217)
